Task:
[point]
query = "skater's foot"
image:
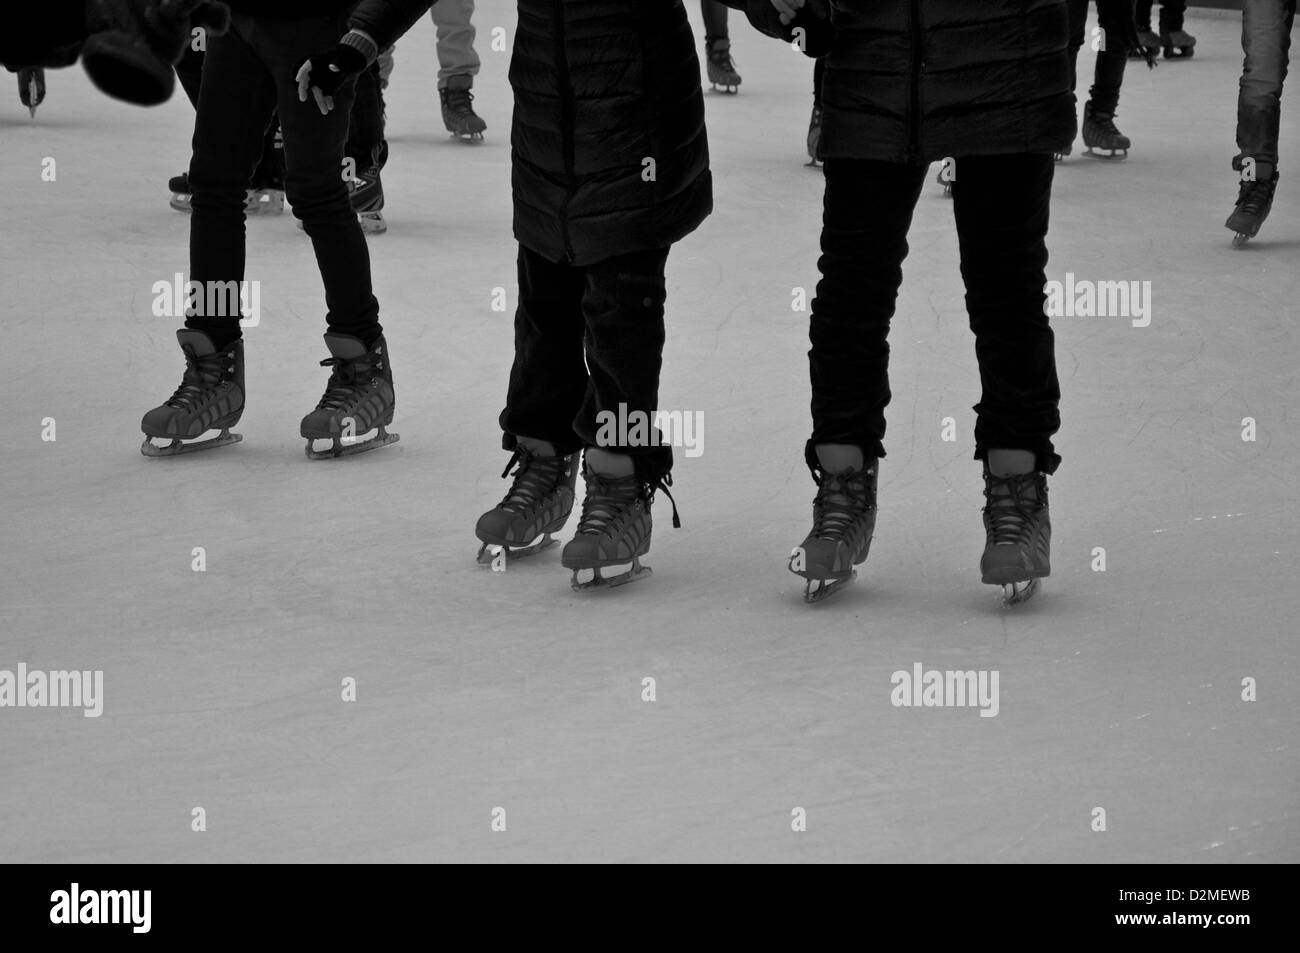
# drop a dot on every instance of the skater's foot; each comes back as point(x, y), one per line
point(1018, 530)
point(538, 504)
point(358, 402)
point(1254, 201)
point(1100, 135)
point(210, 398)
point(458, 109)
point(366, 191)
point(1178, 44)
point(844, 519)
point(721, 67)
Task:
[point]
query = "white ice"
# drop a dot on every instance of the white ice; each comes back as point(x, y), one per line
point(1120, 690)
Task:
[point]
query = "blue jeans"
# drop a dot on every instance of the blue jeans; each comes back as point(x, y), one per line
point(1266, 41)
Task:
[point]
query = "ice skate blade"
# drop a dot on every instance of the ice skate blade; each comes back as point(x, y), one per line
point(488, 552)
point(1014, 593)
point(372, 223)
point(813, 164)
point(596, 581)
point(725, 89)
point(1113, 155)
point(180, 202)
point(469, 137)
point(818, 590)
point(178, 446)
point(1240, 239)
point(340, 449)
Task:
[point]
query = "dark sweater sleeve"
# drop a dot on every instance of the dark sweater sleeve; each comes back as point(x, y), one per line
point(384, 21)
point(45, 34)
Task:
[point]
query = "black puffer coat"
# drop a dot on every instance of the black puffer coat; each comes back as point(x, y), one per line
point(919, 80)
point(609, 148)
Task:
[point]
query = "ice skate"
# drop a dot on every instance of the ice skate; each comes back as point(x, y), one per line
point(844, 519)
point(538, 505)
point(367, 195)
point(721, 67)
point(31, 87)
point(179, 185)
point(1148, 44)
point(814, 136)
point(1060, 156)
point(265, 201)
point(211, 397)
point(944, 179)
point(1178, 44)
point(458, 110)
point(1101, 137)
point(613, 534)
point(1254, 201)
point(358, 402)
point(1018, 535)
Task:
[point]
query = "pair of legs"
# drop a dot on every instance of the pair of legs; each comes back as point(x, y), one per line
point(1171, 14)
point(1266, 42)
point(587, 339)
point(1108, 74)
point(248, 77)
point(1001, 206)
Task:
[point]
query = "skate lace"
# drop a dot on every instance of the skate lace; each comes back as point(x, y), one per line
point(536, 478)
point(1011, 513)
point(1255, 196)
point(201, 374)
point(607, 501)
point(1105, 123)
point(346, 382)
point(720, 56)
point(460, 101)
point(842, 502)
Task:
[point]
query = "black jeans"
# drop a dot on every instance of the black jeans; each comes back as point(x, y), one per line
point(270, 170)
point(1108, 74)
point(1266, 41)
point(1171, 14)
point(1001, 205)
point(366, 144)
point(613, 312)
point(248, 75)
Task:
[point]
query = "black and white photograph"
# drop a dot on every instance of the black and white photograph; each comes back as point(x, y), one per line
point(650, 432)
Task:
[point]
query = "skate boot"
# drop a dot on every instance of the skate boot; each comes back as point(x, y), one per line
point(1060, 156)
point(458, 110)
point(31, 87)
point(1178, 44)
point(814, 136)
point(614, 532)
point(180, 189)
point(358, 399)
point(721, 67)
point(844, 519)
point(266, 197)
point(367, 194)
point(1018, 534)
point(538, 504)
point(1099, 133)
point(1148, 44)
point(1254, 201)
point(263, 201)
point(211, 397)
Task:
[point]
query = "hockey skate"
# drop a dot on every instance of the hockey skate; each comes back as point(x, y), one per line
point(1018, 535)
point(1148, 44)
point(538, 505)
point(1254, 201)
point(367, 194)
point(358, 400)
point(179, 185)
point(1100, 136)
point(211, 397)
point(814, 137)
point(721, 67)
point(259, 201)
point(1178, 44)
point(31, 87)
point(458, 110)
point(614, 532)
point(844, 519)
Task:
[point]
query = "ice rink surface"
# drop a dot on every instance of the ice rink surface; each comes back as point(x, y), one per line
point(1119, 689)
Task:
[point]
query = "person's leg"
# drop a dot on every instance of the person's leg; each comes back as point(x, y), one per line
point(1001, 204)
point(314, 152)
point(1077, 13)
point(1171, 15)
point(1142, 14)
point(236, 100)
point(270, 170)
point(1109, 72)
point(456, 55)
point(189, 70)
point(1266, 41)
point(868, 208)
point(623, 310)
point(548, 380)
point(366, 146)
point(819, 75)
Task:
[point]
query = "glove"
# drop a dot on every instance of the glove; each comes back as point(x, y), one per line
point(324, 73)
point(133, 44)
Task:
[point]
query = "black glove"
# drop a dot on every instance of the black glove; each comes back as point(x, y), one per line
point(324, 73)
point(133, 44)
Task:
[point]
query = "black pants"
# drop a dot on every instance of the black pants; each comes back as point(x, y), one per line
point(613, 312)
point(247, 76)
point(1108, 74)
point(715, 18)
point(1001, 206)
point(366, 144)
point(1171, 14)
point(269, 173)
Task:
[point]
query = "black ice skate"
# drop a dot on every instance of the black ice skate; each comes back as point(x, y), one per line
point(721, 67)
point(458, 110)
point(614, 532)
point(211, 397)
point(1018, 534)
point(358, 399)
point(1178, 44)
point(815, 136)
point(538, 504)
point(1101, 137)
point(844, 519)
point(1254, 201)
point(31, 87)
point(367, 194)
point(180, 189)
point(1059, 156)
point(1148, 44)
point(265, 200)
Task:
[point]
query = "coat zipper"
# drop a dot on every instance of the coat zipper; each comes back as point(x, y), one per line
point(567, 122)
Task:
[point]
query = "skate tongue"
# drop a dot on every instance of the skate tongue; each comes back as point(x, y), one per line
point(344, 346)
point(196, 341)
